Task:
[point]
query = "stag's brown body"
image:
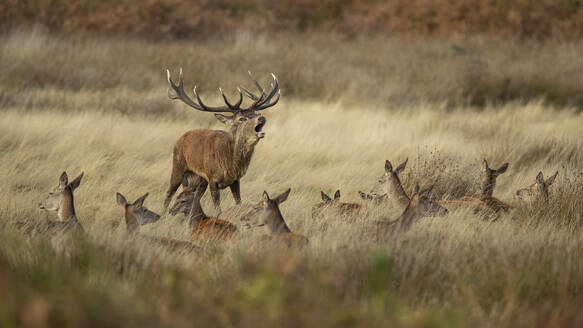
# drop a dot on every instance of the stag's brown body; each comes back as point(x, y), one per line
point(214, 158)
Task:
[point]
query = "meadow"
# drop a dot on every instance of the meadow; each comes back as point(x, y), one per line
point(99, 106)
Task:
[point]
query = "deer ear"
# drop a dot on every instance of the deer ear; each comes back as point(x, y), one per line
point(485, 166)
point(140, 201)
point(402, 166)
point(121, 200)
point(388, 167)
point(540, 178)
point(502, 168)
point(184, 182)
point(224, 118)
point(416, 189)
point(283, 196)
point(337, 195)
point(551, 180)
point(426, 190)
point(75, 183)
point(363, 195)
point(265, 196)
point(325, 197)
point(63, 179)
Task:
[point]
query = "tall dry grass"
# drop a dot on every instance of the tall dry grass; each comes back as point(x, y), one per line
point(99, 106)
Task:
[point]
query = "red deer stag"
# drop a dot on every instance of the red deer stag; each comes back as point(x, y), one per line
point(216, 158)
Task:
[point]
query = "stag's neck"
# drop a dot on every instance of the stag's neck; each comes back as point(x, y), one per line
point(241, 154)
point(275, 227)
point(67, 209)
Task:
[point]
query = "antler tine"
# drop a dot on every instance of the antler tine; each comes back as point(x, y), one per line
point(180, 94)
point(264, 101)
point(221, 109)
point(236, 106)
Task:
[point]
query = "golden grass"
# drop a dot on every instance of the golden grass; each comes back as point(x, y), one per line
point(451, 271)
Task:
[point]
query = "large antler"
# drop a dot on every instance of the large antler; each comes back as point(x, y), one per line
point(263, 101)
point(199, 105)
point(260, 103)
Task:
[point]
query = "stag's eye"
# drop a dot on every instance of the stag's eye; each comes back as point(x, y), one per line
point(242, 119)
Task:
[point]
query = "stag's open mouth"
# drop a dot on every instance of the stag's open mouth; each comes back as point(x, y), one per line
point(258, 129)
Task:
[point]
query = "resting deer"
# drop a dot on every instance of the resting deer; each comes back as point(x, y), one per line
point(411, 214)
point(267, 214)
point(61, 200)
point(216, 158)
point(136, 215)
point(389, 187)
point(538, 191)
point(334, 207)
point(486, 204)
point(205, 226)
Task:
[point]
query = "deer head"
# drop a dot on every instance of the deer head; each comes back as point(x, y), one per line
point(60, 198)
point(490, 176)
point(538, 190)
point(136, 214)
point(266, 213)
point(327, 199)
point(243, 122)
point(428, 207)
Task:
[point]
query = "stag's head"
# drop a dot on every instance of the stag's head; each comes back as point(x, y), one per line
point(136, 214)
point(55, 197)
point(245, 123)
point(539, 190)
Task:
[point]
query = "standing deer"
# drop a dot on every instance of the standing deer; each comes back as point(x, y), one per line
point(266, 214)
point(334, 207)
point(539, 190)
point(136, 215)
point(216, 158)
point(60, 199)
point(390, 185)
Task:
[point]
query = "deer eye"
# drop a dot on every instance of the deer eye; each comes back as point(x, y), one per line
point(242, 119)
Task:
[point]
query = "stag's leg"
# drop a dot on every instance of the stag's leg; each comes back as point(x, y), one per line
point(196, 215)
point(236, 191)
point(216, 195)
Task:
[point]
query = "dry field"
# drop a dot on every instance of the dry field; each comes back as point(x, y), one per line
point(99, 106)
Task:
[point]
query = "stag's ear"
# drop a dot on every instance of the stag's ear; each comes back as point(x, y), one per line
point(75, 183)
point(325, 197)
point(540, 178)
point(337, 195)
point(502, 168)
point(224, 118)
point(63, 180)
point(402, 166)
point(388, 167)
point(140, 201)
point(121, 200)
point(282, 197)
point(551, 180)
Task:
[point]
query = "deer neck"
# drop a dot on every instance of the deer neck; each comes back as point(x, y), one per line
point(395, 190)
point(67, 209)
point(242, 152)
point(277, 225)
point(488, 184)
point(410, 214)
point(132, 223)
